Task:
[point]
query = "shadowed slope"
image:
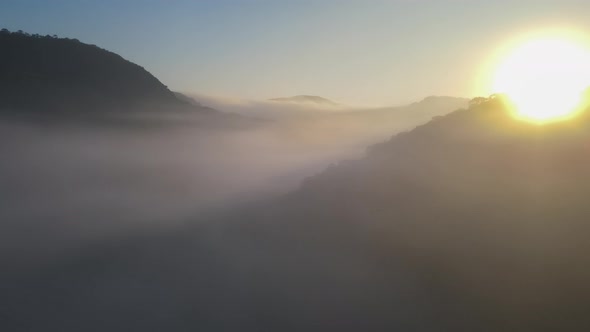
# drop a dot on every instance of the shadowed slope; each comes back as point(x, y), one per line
point(491, 211)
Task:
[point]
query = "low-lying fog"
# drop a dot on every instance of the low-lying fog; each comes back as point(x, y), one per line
point(63, 185)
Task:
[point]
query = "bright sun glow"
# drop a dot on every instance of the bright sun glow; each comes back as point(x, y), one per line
point(544, 77)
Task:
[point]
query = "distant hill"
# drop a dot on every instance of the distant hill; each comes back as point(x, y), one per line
point(308, 100)
point(430, 106)
point(443, 100)
point(372, 125)
point(49, 74)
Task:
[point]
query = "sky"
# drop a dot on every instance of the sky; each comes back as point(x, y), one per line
point(359, 52)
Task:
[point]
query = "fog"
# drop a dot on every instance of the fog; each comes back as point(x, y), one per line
point(78, 183)
point(75, 188)
point(67, 184)
point(180, 225)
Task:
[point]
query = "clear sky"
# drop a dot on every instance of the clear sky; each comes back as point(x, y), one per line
point(358, 52)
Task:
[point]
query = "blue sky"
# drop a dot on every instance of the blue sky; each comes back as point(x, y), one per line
point(358, 52)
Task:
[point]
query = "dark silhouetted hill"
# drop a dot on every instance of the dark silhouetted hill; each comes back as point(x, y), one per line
point(50, 74)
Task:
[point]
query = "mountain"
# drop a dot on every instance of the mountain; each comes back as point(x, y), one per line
point(49, 75)
point(474, 221)
point(307, 100)
point(363, 127)
point(427, 108)
point(486, 214)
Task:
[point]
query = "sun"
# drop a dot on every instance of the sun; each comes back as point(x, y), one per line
point(544, 77)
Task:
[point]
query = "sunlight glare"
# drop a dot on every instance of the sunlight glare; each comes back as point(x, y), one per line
point(545, 77)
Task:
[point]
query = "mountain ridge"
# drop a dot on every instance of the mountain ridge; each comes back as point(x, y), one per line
point(52, 75)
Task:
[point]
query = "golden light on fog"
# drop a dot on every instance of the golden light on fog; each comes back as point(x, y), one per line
point(544, 77)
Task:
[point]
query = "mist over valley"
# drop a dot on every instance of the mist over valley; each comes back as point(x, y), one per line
point(264, 190)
